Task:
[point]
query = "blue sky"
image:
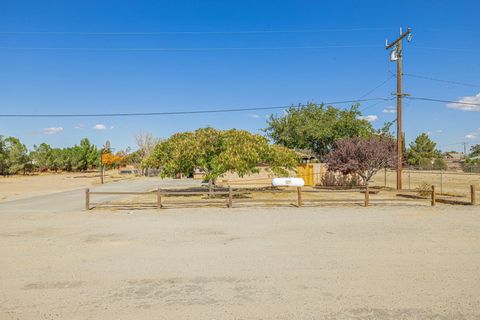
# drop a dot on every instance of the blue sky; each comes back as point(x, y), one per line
point(445, 45)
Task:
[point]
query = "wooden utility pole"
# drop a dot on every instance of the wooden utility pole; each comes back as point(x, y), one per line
point(397, 55)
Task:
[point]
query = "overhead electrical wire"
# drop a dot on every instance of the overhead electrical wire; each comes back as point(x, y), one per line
point(153, 33)
point(168, 49)
point(372, 90)
point(165, 113)
point(441, 80)
point(443, 101)
point(378, 86)
point(447, 49)
point(172, 112)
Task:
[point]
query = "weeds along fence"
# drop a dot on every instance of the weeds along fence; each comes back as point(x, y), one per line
point(294, 197)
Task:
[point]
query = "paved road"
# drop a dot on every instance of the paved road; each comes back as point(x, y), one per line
point(74, 200)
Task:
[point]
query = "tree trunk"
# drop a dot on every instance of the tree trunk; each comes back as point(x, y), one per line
point(210, 188)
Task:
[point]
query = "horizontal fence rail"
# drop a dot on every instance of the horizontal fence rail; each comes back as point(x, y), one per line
point(367, 196)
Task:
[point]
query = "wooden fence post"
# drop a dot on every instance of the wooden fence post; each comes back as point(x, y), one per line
point(230, 197)
point(385, 178)
point(159, 199)
point(367, 196)
point(441, 181)
point(87, 199)
point(434, 201)
point(472, 191)
point(299, 194)
point(409, 178)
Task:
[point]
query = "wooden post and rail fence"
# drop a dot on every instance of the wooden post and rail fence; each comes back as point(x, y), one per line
point(230, 195)
point(159, 193)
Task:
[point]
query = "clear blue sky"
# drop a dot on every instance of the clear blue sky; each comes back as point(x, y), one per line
point(95, 81)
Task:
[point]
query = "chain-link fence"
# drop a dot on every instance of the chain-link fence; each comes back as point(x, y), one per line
point(445, 181)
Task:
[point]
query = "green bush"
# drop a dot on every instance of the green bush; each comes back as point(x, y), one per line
point(428, 164)
point(439, 164)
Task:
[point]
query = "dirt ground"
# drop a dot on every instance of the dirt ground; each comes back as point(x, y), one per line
point(263, 196)
point(445, 182)
point(392, 262)
point(24, 186)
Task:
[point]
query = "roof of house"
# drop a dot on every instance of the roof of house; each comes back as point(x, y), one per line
point(455, 155)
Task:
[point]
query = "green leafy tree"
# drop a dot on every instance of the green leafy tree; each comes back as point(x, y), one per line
point(217, 152)
point(90, 153)
point(422, 151)
point(59, 160)
point(3, 157)
point(475, 151)
point(42, 157)
point(317, 127)
point(17, 156)
point(82, 157)
point(386, 130)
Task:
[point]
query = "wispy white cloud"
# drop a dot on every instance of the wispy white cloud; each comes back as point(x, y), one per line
point(369, 118)
point(80, 126)
point(471, 136)
point(390, 110)
point(439, 131)
point(254, 115)
point(52, 130)
point(467, 107)
point(100, 127)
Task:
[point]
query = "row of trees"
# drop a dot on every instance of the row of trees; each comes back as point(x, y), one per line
point(15, 157)
point(77, 158)
point(318, 128)
point(343, 138)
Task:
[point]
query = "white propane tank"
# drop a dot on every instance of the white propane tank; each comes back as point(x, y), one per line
point(288, 182)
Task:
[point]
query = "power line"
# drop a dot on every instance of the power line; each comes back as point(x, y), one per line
point(372, 90)
point(378, 86)
point(451, 144)
point(448, 49)
point(153, 33)
point(443, 101)
point(442, 80)
point(167, 49)
point(172, 112)
point(374, 105)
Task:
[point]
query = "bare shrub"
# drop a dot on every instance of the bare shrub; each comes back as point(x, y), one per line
point(424, 189)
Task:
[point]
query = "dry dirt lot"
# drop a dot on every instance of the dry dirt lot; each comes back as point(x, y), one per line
point(447, 182)
point(397, 262)
point(24, 186)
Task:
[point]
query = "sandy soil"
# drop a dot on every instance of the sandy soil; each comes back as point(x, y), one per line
point(446, 182)
point(20, 186)
point(242, 263)
point(261, 197)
